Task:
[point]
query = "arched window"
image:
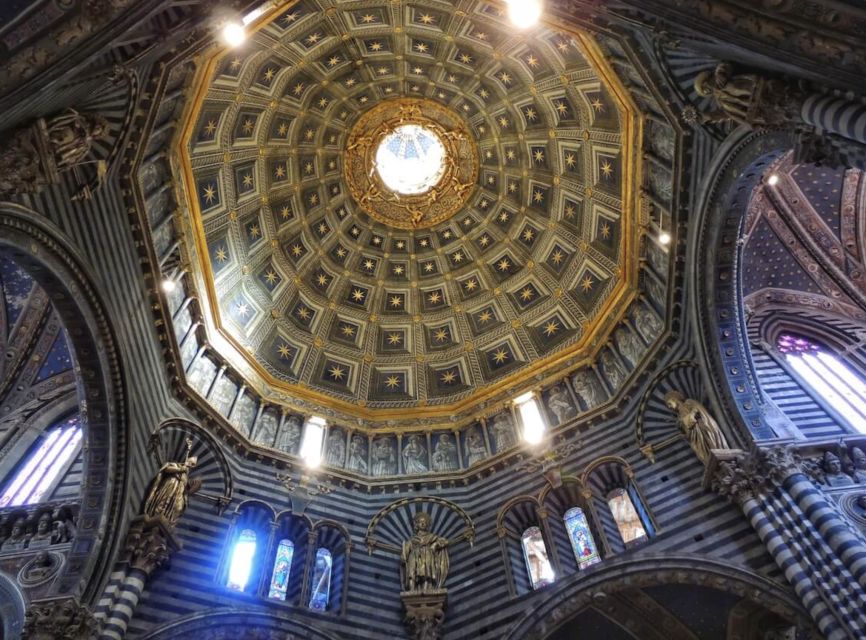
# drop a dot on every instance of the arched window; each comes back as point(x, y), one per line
point(628, 521)
point(321, 585)
point(282, 568)
point(43, 465)
point(537, 561)
point(828, 377)
point(582, 542)
point(242, 560)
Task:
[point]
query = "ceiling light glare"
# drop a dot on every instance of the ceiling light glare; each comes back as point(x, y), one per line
point(311, 445)
point(773, 180)
point(665, 238)
point(524, 13)
point(530, 416)
point(234, 34)
point(168, 285)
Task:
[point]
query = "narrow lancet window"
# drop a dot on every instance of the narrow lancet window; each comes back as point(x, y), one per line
point(47, 459)
point(321, 584)
point(828, 377)
point(582, 542)
point(242, 560)
point(282, 569)
point(629, 523)
point(537, 561)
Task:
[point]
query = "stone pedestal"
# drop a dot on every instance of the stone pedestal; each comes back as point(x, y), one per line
point(425, 613)
point(150, 543)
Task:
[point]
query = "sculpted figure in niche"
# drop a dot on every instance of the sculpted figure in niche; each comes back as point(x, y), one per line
point(72, 134)
point(42, 537)
point(42, 566)
point(17, 535)
point(424, 558)
point(358, 454)
point(63, 529)
point(697, 424)
point(384, 459)
point(587, 387)
point(267, 431)
point(647, 322)
point(290, 436)
point(336, 448)
point(445, 454)
point(169, 493)
point(503, 432)
point(629, 345)
point(612, 369)
point(832, 466)
point(560, 404)
point(413, 455)
point(474, 447)
point(859, 460)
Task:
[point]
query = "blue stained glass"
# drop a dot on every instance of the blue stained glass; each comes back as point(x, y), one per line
point(321, 585)
point(585, 550)
point(242, 560)
point(47, 459)
point(282, 569)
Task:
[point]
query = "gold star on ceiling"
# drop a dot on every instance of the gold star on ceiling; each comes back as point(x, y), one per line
point(392, 382)
point(528, 235)
point(532, 61)
point(285, 212)
point(570, 160)
point(313, 38)
point(368, 18)
point(530, 114)
point(538, 155)
point(465, 58)
point(210, 127)
point(500, 356)
point(375, 46)
point(269, 74)
point(398, 269)
point(421, 47)
point(271, 276)
point(336, 373)
point(485, 316)
point(597, 105)
point(358, 295)
point(322, 280)
point(606, 169)
point(369, 265)
point(440, 335)
point(470, 285)
point(303, 313)
point(248, 181)
point(209, 193)
point(280, 171)
point(243, 310)
point(505, 77)
point(396, 301)
point(435, 297)
point(527, 294)
point(605, 230)
point(297, 250)
point(333, 61)
point(426, 19)
point(290, 17)
point(323, 228)
point(538, 196)
point(503, 265)
point(587, 283)
point(394, 339)
point(284, 351)
point(221, 254)
point(551, 328)
point(298, 89)
point(557, 256)
point(448, 377)
point(255, 232)
point(347, 330)
point(428, 267)
point(561, 107)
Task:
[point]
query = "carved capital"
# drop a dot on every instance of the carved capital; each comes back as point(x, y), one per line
point(741, 476)
point(59, 619)
point(425, 614)
point(149, 543)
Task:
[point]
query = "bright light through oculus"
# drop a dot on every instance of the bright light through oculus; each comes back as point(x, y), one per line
point(524, 13)
point(234, 34)
point(530, 416)
point(410, 160)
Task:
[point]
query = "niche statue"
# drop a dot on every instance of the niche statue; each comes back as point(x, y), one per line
point(424, 558)
point(697, 424)
point(170, 490)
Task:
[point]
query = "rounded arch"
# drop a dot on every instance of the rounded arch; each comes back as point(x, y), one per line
point(252, 503)
point(511, 504)
point(12, 605)
point(715, 290)
point(575, 593)
point(51, 260)
point(237, 624)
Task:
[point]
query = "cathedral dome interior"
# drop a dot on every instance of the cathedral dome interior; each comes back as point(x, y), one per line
point(442, 320)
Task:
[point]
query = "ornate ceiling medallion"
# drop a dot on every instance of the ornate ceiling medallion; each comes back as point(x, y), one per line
point(411, 163)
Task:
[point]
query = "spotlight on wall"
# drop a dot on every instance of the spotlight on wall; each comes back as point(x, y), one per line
point(665, 238)
point(773, 180)
point(168, 285)
point(234, 34)
point(524, 13)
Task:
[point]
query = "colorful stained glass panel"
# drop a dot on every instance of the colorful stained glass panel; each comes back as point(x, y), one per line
point(582, 542)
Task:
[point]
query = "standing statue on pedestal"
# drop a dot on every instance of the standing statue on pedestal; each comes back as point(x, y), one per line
point(424, 558)
point(697, 424)
point(171, 489)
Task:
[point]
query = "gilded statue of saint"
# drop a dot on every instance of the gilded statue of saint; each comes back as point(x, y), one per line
point(696, 422)
point(424, 558)
point(171, 489)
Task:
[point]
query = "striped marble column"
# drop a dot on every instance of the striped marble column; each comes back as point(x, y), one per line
point(797, 527)
point(836, 115)
point(149, 545)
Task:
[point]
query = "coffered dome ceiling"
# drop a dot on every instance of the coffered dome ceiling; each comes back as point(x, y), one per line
point(505, 253)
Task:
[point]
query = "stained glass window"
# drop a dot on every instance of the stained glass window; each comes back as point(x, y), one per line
point(530, 416)
point(282, 569)
point(629, 523)
point(537, 561)
point(828, 376)
point(321, 585)
point(242, 560)
point(47, 459)
point(582, 542)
